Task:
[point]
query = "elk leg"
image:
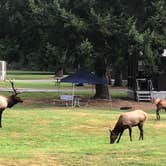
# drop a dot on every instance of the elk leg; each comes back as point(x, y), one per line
point(130, 133)
point(140, 126)
point(157, 114)
point(1, 118)
point(120, 136)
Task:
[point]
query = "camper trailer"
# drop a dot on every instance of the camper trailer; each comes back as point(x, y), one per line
point(143, 86)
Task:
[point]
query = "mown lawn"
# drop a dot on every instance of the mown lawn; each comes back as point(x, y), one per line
point(40, 85)
point(40, 133)
point(85, 91)
point(47, 135)
point(23, 75)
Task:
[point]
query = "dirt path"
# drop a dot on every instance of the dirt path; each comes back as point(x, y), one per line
point(118, 103)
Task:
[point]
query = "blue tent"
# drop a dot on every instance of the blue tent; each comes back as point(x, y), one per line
point(84, 76)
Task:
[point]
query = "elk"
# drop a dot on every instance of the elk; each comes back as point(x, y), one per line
point(160, 104)
point(127, 121)
point(8, 102)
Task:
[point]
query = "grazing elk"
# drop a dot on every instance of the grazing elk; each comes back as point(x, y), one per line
point(160, 104)
point(8, 102)
point(127, 121)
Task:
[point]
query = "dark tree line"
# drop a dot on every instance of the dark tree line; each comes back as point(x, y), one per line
point(54, 35)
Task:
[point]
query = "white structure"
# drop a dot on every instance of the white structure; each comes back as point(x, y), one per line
point(164, 53)
point(2, 70)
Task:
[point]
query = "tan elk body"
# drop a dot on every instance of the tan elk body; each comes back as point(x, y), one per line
point(8, 102)
point(3, 102)
point(127, 121)
point(160, 104)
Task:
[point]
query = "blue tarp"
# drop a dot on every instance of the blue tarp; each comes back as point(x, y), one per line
point(84, 76)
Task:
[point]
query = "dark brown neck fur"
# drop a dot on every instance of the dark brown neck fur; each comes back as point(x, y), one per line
point(11, 102)
point(117, 129)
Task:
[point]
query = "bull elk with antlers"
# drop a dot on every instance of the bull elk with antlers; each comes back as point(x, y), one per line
point(8, 102)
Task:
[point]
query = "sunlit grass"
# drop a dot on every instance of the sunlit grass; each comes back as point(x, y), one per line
point(43, 134)
point(52, 84)
point(84, 91)
point(29, 75)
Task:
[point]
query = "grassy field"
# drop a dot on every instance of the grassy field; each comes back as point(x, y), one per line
point(36, 75)
point(40, 133)
point(23, 75)
point(40, 84)
point(52, 84)
point(47, 135)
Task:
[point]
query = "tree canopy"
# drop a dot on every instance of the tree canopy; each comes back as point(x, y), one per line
point(60, 34)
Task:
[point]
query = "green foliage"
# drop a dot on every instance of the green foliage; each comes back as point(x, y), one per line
point(149, 54)
point(85, 54)
point(54, 54)
point(9, 50)
point(157, 24)
point(39, 34)
point(135, 35)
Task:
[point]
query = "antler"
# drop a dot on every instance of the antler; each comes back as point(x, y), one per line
point(14, 90)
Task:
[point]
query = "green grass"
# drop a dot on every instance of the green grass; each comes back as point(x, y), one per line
point(40, 133)
point(23, 75)
point(90, 90)
point(44, 134)
point(29, 75)
point(25, 84)
point(46, 85)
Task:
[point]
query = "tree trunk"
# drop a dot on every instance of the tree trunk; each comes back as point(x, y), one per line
point(118, 78)
point(102, 91)
point(59, 72)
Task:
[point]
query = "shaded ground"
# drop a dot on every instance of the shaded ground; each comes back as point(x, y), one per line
point(118, 103)
point(113, 104)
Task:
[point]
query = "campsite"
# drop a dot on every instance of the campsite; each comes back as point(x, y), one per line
point(82, 83)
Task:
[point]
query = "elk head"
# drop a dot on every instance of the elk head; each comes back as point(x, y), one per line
point(113, 136)
point(14, 99)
